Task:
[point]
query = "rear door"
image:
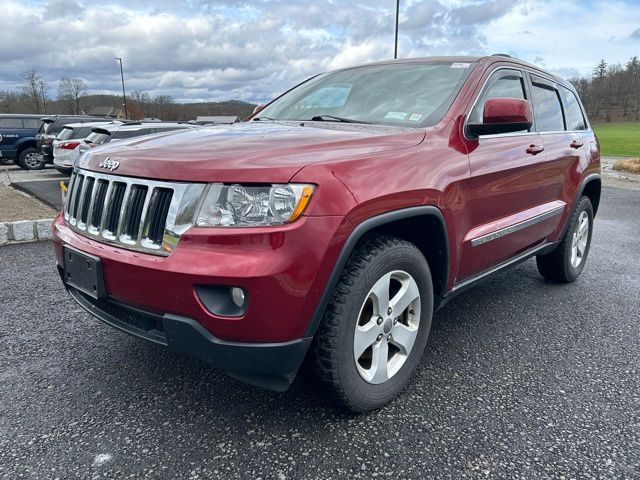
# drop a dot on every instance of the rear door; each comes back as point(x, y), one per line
point(564, 148)
point(514, 195)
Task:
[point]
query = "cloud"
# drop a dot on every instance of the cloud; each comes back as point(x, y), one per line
point(253, 50)
point(635, 34)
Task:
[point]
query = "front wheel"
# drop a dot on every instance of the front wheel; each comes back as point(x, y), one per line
point(31, 159)
point(565, 263)
point(376, 326)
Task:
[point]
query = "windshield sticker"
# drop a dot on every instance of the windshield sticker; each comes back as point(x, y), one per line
point(415, 117)
point(396, 115)
point(460, 65)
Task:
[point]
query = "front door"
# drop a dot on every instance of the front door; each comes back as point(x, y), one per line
point(514, 191)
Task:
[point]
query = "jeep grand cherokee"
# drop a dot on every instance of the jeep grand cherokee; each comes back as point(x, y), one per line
point(332, 224)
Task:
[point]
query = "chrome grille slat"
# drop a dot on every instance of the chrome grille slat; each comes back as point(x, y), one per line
point(133, 213)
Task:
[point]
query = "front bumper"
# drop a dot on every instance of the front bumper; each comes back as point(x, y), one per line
point(284, 271)
point(268, 365)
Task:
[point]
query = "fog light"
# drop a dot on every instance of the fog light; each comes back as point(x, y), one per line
point(238, 296)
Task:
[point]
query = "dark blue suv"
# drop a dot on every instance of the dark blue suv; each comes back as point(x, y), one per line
point(18, 138)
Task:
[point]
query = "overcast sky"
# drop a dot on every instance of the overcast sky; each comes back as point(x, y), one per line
point(251, 50)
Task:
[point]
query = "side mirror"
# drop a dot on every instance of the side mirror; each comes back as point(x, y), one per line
point(503, 115)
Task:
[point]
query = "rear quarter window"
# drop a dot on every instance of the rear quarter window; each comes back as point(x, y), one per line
point(31, 122)
point(572, 111)
point(547, 110)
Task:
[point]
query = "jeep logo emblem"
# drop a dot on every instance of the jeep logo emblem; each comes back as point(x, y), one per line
point(109, 164)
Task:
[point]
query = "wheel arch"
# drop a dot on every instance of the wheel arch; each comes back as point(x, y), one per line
point(23, 144)
point(592, 188)
point(410, 224)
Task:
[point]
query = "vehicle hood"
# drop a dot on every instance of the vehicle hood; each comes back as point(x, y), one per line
point(246, 152)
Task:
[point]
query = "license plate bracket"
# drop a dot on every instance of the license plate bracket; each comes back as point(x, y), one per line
point(83, 272)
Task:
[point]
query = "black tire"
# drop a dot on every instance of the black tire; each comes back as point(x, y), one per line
point(25, 159)
point(557, 265)
point(331, 357)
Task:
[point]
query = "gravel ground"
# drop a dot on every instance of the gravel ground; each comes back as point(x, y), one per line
point(521, 379)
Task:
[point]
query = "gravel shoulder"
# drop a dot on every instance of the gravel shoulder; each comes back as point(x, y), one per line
point(613, 178)
point(521, 379)
point(16, 205)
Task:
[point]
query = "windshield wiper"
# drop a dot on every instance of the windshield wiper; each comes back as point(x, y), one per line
point(258, 119)
point(323, 118)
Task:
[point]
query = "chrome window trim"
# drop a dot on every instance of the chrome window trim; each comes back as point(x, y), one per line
point(524, 71)
point(516, 227)
point(181, 215)
point(481, 91)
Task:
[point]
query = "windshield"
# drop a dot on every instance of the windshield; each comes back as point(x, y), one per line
point(405, 94)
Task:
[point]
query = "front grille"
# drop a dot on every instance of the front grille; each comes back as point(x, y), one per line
point(137, 214)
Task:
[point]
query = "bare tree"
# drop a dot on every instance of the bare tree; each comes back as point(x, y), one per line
point(143, 99)
point(35, 90)
point(9, 101)
point(70, 92)
point(164, 106)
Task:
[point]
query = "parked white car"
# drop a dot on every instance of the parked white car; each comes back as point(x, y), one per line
point(66, 145)
point(107, 133)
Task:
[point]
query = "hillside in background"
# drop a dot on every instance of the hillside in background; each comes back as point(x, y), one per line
point(140, 104)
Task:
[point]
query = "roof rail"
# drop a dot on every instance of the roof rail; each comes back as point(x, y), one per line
point(501, 55)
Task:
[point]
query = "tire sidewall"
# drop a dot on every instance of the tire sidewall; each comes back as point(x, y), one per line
point(361, 393)
point(22, 159)
point(584, 205)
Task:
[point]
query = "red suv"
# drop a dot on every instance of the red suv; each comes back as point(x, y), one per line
point(332, 224)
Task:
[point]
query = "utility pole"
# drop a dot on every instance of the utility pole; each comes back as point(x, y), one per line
point(44, 100)
point(124, 97)
point(395, 51)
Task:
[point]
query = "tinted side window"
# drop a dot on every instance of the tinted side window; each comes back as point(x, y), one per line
point(10, 123)
point(31, 122)
point(81, 132)
point(505, 86)
point(572, 111)
point(131, 133)
point(546, 108)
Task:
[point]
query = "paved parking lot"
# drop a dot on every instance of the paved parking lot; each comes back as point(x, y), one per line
point(521, 379)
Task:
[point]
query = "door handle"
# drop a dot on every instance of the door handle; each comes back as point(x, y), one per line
point(535, 149)
point(576, 143)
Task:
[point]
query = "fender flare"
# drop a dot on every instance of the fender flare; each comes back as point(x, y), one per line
point(358, 232)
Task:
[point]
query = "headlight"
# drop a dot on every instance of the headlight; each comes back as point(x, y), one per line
point(247, 205)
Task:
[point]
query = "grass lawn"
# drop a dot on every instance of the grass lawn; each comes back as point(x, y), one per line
point(619, 139)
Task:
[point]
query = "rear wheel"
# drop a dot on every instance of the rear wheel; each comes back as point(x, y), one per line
point(31, 159)
point(376, 325)
point(565, 263)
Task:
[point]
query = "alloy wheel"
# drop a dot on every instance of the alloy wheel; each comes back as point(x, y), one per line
point(580, 240)
point(387, 327)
